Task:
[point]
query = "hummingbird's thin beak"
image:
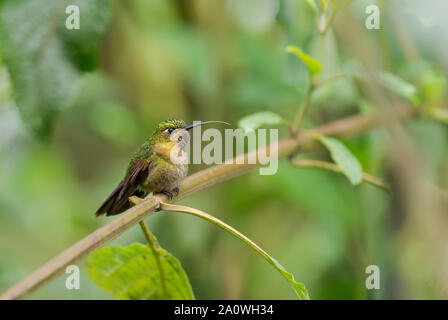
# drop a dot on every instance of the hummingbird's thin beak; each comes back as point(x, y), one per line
point(205, 122)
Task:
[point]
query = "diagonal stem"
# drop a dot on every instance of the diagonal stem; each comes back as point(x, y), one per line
point(303, 106)
point(305, 163)
point(302, 294)
point(154, 245)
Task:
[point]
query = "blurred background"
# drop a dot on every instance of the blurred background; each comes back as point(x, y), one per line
point(73, 108)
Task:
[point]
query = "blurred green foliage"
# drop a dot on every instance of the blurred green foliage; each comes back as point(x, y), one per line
point(94, 96)
point(44, 57)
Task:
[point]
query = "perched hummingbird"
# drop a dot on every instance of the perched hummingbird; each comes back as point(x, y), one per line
point(152, 168)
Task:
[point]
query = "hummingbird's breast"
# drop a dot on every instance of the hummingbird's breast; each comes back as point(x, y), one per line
point(167, 169)
point(165, 176)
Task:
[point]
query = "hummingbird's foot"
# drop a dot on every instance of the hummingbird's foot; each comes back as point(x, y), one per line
point(169, 194)
point(172, 193)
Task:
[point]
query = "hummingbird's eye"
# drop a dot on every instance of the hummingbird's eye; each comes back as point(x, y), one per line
point(169, 130)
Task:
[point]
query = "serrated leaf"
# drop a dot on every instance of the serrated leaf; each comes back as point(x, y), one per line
point(313, 65)
point(132, 273)
point(400, 87)
point(299, 287)
point(344, 158)
point(42, 56)
point(256, 120)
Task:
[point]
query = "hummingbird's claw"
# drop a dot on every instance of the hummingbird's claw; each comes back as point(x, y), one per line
point(169, 194)
point(172, 193)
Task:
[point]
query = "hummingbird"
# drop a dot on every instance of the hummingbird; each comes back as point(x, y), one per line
point(157, 166)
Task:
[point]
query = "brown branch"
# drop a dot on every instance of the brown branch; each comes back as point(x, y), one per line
point(348, 127)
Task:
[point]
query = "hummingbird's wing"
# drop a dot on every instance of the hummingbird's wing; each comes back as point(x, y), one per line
point(118, 201)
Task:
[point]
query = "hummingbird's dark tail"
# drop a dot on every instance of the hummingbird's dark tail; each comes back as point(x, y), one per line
point(107, 205)
point(113, 205)
point(118, 201)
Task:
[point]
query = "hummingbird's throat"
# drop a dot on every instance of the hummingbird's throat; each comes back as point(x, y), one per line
point(172, 151)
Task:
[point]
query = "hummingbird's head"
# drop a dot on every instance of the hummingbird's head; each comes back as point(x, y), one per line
point(177, 130)
point(172, 132)
point(165, 129)
point(173, 135)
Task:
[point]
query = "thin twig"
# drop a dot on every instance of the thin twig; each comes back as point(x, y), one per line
point(322, 32)
point(305, 163)
point(303, 106)
point(154, 245)
point(330, 79)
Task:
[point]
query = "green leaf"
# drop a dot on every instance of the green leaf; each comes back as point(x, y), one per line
point(44, 58)
point(400, 87)
point(344, 158)
point(132, 273)
point(256, 120)
point(313, 65)
point(299, 287)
